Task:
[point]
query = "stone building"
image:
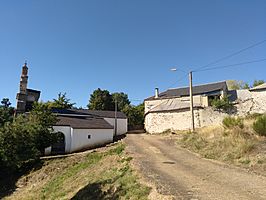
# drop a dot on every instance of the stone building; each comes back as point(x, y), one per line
point(170, 110)
point(25, 97)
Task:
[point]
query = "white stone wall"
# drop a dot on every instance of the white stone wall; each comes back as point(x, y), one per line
point(247, 103)
point(160, 122)
point(121, 125)
point(81, 141)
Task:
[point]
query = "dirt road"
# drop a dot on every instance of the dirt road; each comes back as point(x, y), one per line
point(184, 175)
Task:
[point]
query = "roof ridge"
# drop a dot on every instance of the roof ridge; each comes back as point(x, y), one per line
point(198, 85)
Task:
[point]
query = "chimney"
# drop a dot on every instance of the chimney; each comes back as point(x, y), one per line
point(156, 93)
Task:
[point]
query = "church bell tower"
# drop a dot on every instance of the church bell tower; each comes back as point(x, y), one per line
point(22, 95)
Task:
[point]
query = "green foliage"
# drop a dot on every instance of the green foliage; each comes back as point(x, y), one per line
point(258, 82)
point(253, 116)
point(62, 102)
point(135, 114)
point(17, 143)
point(122, 100)
point(25, 138)
point(6, 112)
point(245, 86)
point(233, 122)
point(237, 85)
point(42, 120)
point(259, 126)
point(222, 104)
point(101, 100)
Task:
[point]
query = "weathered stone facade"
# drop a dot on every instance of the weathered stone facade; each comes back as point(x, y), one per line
point(247, 102)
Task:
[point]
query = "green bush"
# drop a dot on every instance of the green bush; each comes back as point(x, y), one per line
point(222, 104)
point(259, 126)
point(233, 122)
point(24, 139)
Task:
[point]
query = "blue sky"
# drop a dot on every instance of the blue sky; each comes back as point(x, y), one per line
point(126, 46)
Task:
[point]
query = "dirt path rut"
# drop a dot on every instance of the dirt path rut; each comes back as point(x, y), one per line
point(184, 175)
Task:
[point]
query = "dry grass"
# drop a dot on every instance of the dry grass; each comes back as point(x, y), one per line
point(99, 175)
point(239, 146)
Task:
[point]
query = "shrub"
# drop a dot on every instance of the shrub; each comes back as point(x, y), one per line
point(233, 122)
point(24, 139)
point(259, 126)
point(222, 104)
point(253, 116)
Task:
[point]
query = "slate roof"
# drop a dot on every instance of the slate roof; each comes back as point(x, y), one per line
point(259, 87)
point(33, 91)
point(95, 113)
point(197, 90)
point(82, 122)
point(172, 105)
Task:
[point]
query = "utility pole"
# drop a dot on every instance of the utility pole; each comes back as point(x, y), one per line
point(115, 126)
point(191, 101)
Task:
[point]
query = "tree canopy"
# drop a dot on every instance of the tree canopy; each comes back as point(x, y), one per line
point(135, 114)
point(122, 100)
point(62, 102)
point(258, 82)
point(24, 139)
point(6, 111)
point(101, 100)
point(237, 85)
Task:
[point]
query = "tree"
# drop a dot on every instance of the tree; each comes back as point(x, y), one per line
point(62, 102)
point(246, 86)
point(24, 139)
point(101, 100)
point(135, 114)
point(42, 119)
point(237, 85)
point(258, 82)
point(122, 100)
point(6, 112)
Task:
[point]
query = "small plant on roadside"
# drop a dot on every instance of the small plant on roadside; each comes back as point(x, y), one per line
point(233, 122)
point(259, 126)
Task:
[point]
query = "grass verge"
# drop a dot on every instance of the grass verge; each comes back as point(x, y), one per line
point(238, 146)
point(99, 175)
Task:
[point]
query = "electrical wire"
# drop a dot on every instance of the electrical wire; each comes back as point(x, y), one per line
point(231, 55)
point(231, 65)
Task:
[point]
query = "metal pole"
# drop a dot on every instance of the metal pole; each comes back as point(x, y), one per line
point(115, 127)
point(191, 101)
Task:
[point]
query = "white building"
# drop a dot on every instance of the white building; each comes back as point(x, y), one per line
point(109, 116)
point(84, 129)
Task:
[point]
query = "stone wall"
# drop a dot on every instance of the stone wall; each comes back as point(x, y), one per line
point(247, 103)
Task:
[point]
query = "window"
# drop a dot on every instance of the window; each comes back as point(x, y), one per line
point(89, 136)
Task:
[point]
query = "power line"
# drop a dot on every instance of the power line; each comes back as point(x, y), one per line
point(231, 55)
point(177, 81)
point(231, 65)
